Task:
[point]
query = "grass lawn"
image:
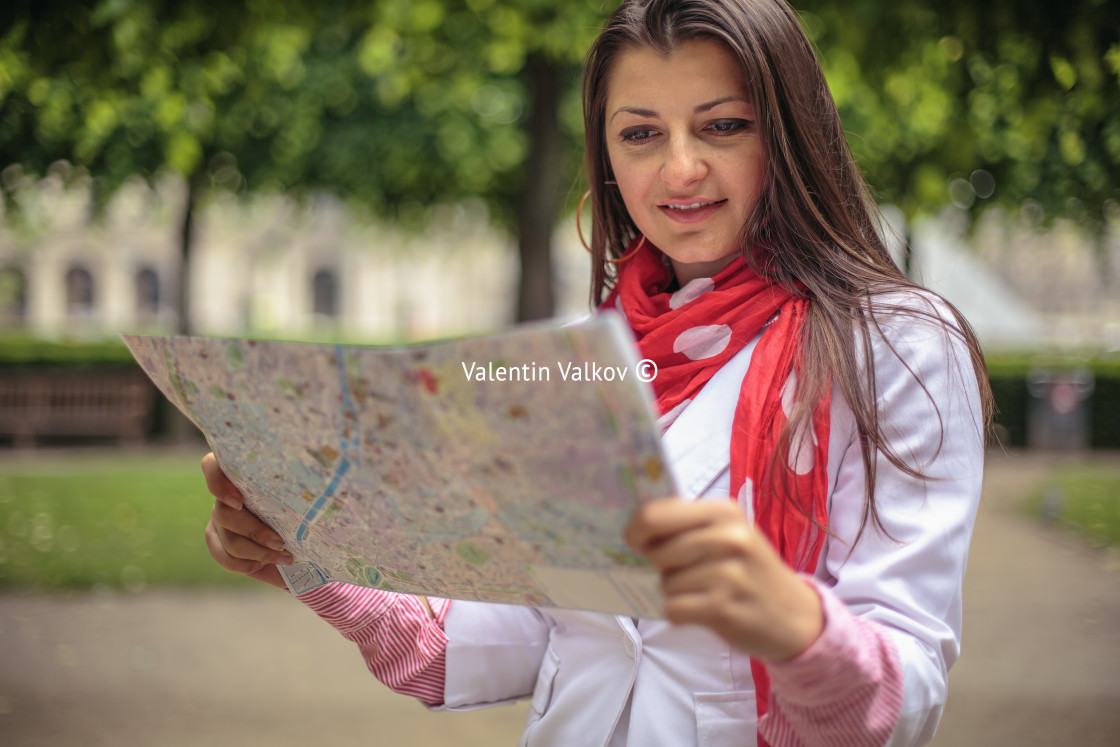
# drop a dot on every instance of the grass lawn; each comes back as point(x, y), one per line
point(1087, 496)
point(108, 520)
point(129, 521)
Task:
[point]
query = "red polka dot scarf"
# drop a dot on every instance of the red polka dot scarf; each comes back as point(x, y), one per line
point(690, 333)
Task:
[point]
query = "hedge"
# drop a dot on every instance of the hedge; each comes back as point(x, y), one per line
point(28, 352)
point(23, 353)
point(1008, 374)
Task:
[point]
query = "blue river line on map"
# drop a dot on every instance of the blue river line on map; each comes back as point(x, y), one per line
point(348, 446)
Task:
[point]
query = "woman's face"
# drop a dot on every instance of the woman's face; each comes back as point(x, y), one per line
point(685, 149)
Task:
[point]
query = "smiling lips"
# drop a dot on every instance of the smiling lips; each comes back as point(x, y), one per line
point(691, 212)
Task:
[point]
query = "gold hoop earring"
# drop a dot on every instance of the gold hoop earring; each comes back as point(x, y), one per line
point(625, 257)
point(579, 228)
point(579, 232)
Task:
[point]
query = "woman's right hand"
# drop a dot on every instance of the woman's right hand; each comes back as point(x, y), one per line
point(239, 541)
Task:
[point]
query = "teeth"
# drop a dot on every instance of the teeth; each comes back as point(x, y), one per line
point(693, 206)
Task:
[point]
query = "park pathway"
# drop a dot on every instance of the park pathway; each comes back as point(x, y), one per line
point(1041, 662)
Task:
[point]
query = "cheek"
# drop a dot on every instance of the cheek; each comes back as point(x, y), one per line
point(759, 168)
point(637, 207)
point(631, 196)
point(753, 181)
point(631, 187)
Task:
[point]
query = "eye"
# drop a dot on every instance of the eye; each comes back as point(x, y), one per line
point(637, 134)
point(724, 127)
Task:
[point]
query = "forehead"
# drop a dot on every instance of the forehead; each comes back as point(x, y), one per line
point(695, 72)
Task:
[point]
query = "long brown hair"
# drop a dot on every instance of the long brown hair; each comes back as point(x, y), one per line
point(815, 227)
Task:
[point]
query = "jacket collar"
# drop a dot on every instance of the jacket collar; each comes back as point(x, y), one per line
point(698, 443)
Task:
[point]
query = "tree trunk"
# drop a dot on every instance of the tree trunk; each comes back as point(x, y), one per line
point(180, 430)
point(540, 199)
point(195, 185)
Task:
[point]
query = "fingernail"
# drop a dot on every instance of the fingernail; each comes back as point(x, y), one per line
point(275, 543)
point(286, 558)
point(232, 501)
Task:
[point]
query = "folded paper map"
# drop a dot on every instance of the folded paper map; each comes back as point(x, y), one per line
point(500, 469)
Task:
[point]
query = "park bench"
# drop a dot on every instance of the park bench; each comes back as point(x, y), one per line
point(113, 402)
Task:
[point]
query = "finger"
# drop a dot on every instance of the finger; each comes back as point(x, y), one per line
point(218, 551)
point(751, 625)
point(654, 521)
point(218, 484)
point(658, 523)
point(732, 622)
point(266, 572)
point(269, 574)
point(243, 548)
point(247, 537)
point(246, 524)
point(703, 545)
point(659, 520)
point(727, 578)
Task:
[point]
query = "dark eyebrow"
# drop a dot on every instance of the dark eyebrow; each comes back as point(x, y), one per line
point(713, 104)
point(633, 110)
point(698, 109)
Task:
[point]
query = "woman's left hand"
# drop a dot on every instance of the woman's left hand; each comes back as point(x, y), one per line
point(717, 570)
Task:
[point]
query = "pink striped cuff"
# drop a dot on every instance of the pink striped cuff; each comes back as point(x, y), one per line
point(844, 690)
point(403, 646)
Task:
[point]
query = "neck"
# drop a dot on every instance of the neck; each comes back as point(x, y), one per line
point(686, 272)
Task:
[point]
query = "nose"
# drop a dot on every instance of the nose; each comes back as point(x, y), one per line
point(684, 163)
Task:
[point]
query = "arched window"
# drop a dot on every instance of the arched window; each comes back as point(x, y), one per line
point(13, 295)
point(324, 294)
point(147, 293)
point(79, 291)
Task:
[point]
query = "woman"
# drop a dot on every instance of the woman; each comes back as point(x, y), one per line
point(799, 373)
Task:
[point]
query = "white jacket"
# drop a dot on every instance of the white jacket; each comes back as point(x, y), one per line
point(597, 679)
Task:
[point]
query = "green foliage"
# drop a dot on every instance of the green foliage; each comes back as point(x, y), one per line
point(394, 104)
point(399, 104)
point(1088, 498)
point(25, 351)
point(403, 102)
point(1009, 101)
point(117, 522)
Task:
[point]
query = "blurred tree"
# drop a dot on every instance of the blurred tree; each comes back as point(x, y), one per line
point(1015, 102)
point(495, 87)
point(401, 103)
point(120, 88)
point(396, 104)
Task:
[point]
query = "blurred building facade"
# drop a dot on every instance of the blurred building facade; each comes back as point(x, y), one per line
point(1069, 277)
point(264, 265)
point(270, 266)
